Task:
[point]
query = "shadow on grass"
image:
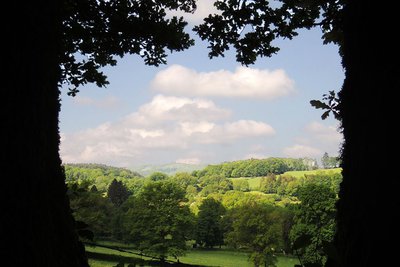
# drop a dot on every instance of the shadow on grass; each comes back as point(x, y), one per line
point(133, 261)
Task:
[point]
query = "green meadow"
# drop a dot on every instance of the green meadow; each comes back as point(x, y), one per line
point(254, 182)
point(228, 258)
point(105, 257)
point(299, 174)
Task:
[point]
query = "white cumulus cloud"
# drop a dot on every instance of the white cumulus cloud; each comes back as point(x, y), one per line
point(230, 131)
point(167, 128)
point(188, 128)
point(244, 82)
point(170, 108)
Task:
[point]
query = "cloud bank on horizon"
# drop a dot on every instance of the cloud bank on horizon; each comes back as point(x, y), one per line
point(179, 125)
point(244, 82)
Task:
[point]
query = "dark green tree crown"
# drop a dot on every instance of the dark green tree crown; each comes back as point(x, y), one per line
point(251, 26)
point(95, 31)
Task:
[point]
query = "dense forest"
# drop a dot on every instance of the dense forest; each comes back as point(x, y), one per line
point(279, 213)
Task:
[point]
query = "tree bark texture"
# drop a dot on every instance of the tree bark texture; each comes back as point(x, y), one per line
point(37, 227)
point(369, 201)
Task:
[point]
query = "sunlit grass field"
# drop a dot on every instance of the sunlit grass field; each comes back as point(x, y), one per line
point(104, 257)
point(254, 182)
point(228, 258)
point(299, 174)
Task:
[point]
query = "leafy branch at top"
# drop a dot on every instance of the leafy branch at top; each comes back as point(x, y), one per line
point(95, 32)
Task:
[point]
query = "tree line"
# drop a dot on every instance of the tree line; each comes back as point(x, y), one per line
point(258, 167)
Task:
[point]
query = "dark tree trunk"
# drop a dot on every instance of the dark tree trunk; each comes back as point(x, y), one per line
point(37, 227)
point(369, 198)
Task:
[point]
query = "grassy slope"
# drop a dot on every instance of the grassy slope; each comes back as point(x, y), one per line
point(228, 258)
point(299, 174)
point(254, 182)
point(216, 257)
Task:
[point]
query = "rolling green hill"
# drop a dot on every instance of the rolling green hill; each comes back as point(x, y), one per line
point(254, 182)
point(299, 174)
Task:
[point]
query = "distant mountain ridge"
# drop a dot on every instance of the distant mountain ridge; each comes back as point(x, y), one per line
point(169, 169)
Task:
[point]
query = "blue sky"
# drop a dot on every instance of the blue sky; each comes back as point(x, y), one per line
point(197, 110)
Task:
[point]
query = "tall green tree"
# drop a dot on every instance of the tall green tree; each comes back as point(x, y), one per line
point(158, 221)
point(214, 183)
point(158, 176)
point(185, 179)
point(92, 208)
point(117, 192)
point(209, 228)
point(251, 27)
point(269, 184)
point(257, 228)
point(329, 162)
point(50, 43)
point(314, 224)
point(325, 160)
